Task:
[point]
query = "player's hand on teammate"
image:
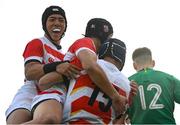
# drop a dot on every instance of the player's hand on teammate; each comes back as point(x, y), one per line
point(133, 92)
point(119, 105)
point(69, 70)
point(134, 88)
point(124, 120)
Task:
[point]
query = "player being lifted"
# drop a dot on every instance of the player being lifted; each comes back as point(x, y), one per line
point(81, 53)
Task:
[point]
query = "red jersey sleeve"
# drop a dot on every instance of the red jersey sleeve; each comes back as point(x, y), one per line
point(33, 51)
point(84, 43)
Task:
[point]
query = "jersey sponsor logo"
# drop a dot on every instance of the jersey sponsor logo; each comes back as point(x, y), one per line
point(50, 60)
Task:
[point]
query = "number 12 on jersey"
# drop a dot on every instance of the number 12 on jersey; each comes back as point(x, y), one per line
point(153, 104)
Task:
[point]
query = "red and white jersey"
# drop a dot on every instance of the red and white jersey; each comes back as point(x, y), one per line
point(40, 50)
point(76, 47)
point(43, 51)
point(116, 77)
point(85, 103)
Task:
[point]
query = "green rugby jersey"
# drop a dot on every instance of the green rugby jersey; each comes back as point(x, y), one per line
point(154, 103)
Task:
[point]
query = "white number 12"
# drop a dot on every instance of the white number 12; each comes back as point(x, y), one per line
point(153, 104)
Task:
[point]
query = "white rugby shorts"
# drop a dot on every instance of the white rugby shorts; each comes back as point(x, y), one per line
point(57, 92)
point(23, 98)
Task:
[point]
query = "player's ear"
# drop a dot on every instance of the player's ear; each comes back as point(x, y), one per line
point(153, 63)
point(135, 65)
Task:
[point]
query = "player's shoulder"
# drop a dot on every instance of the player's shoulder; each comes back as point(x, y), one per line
point(83, 40)
point(132, 76)
point(163, 73)
point(123, 81)
point(83, 43)
point(35, 41)
point(123, 77)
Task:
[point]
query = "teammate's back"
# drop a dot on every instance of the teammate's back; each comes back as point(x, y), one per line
point(158, 91)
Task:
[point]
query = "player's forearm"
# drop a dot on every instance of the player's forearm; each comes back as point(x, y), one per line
point(34, 71)
point(98, 76)
point(49, 80)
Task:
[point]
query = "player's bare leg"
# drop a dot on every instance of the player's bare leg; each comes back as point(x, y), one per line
point(47, 112)
point(23, 116)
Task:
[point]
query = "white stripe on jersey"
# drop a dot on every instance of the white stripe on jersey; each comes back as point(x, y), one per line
point(91, 118)
point(34, 57)
point(69, 56)
point(50, 52)
point(114, 75)
point(50, 44)
point(83, 48)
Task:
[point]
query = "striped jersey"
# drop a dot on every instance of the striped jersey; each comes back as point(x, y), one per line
point(85, 103)
point(43, 51)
